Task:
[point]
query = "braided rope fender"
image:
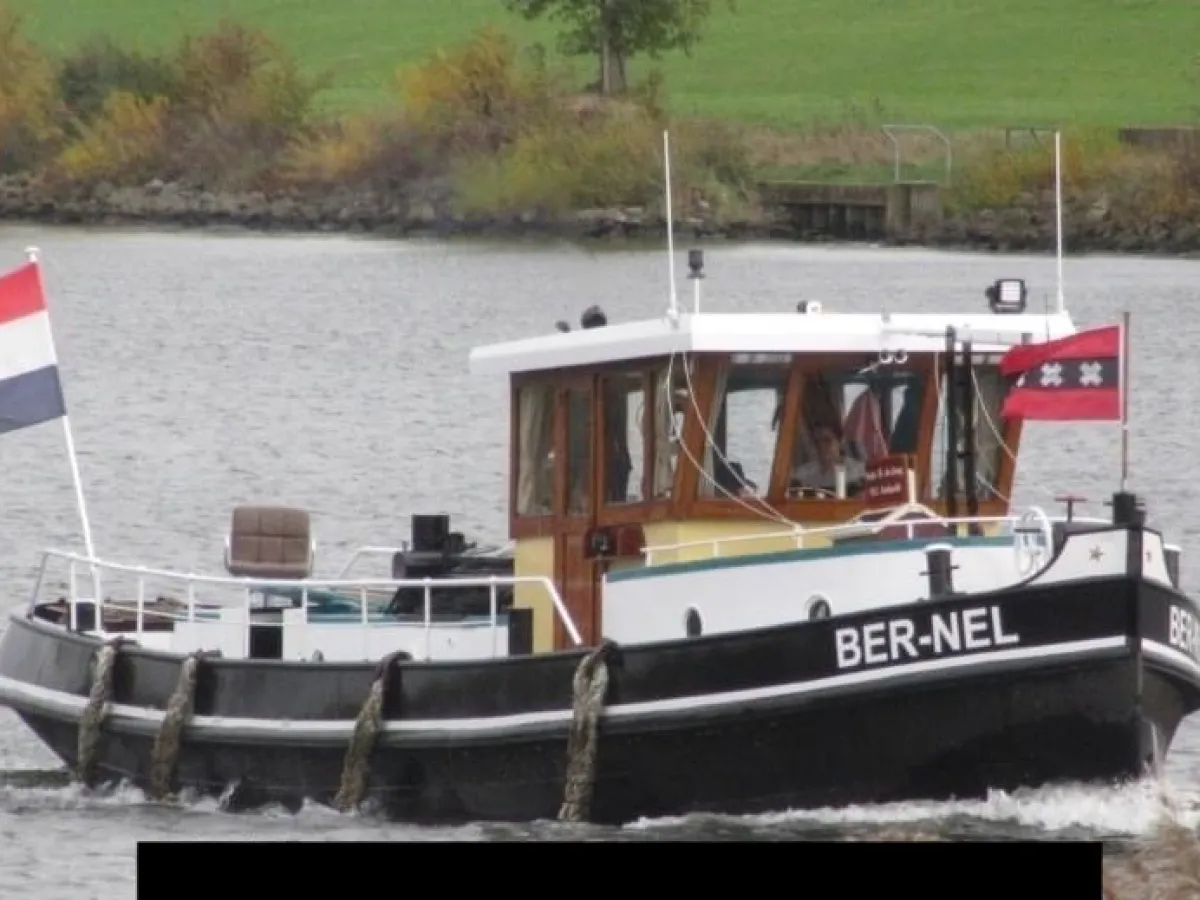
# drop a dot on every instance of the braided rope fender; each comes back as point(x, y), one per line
point(91, 721)
point(590, 688)
point(356, 765)
point(167, 743)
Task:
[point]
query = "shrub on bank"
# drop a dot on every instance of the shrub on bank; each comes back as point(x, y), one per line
point(125, 141)
point(613, 159)
point(522, 141)
point(241, 101)
point(100, 68)
point(514, 138)
point(31, 111)
point(1118, 181)
point(479, 96)
point(998, 176)
point(374, 152)
point(230, 109)
point(220, 109)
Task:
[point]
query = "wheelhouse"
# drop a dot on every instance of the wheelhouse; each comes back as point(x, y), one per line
point(703, 431)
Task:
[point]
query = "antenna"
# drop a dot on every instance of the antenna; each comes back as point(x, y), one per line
point(674, 308)
point(696, 273)
point(1058, 216)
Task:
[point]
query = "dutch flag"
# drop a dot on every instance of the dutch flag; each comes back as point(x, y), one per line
point(30, 388)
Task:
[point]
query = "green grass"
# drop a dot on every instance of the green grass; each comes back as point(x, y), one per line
point(954, 63)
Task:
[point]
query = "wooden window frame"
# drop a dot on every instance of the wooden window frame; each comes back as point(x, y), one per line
point(604, 514)
point(685, 502)
point(649, 507)
point(804, 367)
point(526, 524)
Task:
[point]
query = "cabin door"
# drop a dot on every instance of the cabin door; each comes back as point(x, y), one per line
point(577, 575)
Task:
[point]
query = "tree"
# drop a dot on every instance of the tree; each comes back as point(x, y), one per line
point(615, 30)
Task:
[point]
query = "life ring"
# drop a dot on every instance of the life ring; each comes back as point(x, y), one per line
point(1032, 539)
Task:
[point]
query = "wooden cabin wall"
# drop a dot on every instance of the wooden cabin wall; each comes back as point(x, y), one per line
point(552, 542)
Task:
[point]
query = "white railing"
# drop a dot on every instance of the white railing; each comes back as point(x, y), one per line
point(365, 552)
point(372, 551)
point(97, 572)
point(798, 533)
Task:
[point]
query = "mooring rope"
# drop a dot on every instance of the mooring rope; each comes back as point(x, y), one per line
point(590, 686)
point(165, 754)
point(99, 697)
point(357, 763)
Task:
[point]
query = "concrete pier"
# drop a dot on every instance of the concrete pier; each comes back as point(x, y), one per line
point(854, 211)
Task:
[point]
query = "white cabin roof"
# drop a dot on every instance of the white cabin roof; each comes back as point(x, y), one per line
point(793, 332)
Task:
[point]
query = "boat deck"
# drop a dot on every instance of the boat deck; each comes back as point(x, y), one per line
point(347, 618)
point(341, 618)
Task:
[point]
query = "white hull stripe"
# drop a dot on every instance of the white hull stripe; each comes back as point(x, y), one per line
point(1167, 654)
point(324, 730)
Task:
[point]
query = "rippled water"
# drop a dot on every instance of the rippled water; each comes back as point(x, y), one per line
point(207, 371)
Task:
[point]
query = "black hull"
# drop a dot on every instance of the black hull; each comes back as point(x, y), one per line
point(1077, 698)
point(943, 742)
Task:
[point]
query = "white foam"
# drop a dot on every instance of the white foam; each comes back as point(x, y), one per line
point(1128, 810)
point(208, 815)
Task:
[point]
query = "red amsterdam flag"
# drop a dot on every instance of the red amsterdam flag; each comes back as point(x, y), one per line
point(1075, 378)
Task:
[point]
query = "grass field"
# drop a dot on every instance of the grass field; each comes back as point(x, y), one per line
point(952, 63)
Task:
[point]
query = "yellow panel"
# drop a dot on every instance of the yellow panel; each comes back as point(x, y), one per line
point(707, 538)
point(534, 557)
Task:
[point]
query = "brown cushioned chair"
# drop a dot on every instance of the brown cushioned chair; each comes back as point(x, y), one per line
point(270, 542)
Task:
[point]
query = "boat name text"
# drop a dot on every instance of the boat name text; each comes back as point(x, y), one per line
point(897, 640)
point(1184, 632)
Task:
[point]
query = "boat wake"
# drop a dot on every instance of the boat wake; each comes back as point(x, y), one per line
point(1064, 812)
point(1148, 829)
point(1117, 814)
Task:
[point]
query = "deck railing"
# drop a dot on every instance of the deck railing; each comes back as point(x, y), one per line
point(99, 572)
point(798, 534)
point(372, 551)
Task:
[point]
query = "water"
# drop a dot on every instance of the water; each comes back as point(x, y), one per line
point(207, 371)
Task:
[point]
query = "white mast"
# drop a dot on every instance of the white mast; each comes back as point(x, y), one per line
point(1058, 217)
point(674, 307)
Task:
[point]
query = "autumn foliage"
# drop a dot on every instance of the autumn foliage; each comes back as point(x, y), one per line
point(231, 110)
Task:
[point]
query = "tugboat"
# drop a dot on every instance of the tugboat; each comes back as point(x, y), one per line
point(760, 561)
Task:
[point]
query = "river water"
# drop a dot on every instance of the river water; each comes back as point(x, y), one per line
point(204, 371)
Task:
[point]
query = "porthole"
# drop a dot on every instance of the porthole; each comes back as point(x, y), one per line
point(692, 624)
point(818, 607)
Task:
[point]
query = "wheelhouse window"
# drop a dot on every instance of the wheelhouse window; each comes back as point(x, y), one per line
point(849, 418)
point(535, 450)
point(672, 397)
point(739, 450)
point(625, 420)
point(987, 389)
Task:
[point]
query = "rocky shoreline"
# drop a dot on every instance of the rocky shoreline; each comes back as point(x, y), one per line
point(428, 212)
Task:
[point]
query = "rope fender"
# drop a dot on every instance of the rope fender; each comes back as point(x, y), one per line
point(590, 689)
point(91, 721)
point(357, 762)
point(165, 754)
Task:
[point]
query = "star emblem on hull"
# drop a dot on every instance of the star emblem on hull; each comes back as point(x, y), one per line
point(1095, 553)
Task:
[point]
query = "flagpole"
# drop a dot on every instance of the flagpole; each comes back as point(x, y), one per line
point(32, 253)
point(1124, 385)
point(1058, 219)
